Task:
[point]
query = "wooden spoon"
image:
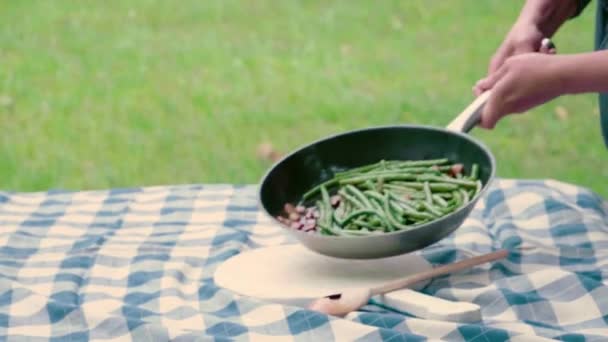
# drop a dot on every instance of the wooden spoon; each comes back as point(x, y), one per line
point(340, 304)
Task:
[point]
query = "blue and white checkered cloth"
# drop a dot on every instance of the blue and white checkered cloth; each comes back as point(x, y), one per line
point(138, 264)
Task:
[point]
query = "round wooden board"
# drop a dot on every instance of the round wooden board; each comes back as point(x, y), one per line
point(292, 274)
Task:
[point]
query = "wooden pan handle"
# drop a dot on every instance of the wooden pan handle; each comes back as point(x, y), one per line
point(471, 115)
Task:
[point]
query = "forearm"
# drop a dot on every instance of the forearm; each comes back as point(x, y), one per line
point(583, 73)
point(548, 15)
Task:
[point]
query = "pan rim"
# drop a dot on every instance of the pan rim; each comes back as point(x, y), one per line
point(302, 147)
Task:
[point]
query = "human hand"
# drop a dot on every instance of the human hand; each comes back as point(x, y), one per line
point(524, 37)
point(522, 82)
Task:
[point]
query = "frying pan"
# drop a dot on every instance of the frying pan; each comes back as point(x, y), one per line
point(288, 179)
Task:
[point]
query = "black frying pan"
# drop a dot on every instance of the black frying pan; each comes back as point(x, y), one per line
point(310, 165)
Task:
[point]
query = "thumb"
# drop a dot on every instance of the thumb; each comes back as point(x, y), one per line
point(488, 82)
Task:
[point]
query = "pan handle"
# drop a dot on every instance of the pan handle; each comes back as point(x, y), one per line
point(470, 116)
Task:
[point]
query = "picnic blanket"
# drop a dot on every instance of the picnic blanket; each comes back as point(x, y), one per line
point(137, 264)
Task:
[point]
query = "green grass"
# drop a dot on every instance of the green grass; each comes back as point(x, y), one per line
point(116, 94)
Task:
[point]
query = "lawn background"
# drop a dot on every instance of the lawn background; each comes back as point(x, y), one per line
point(100, 94)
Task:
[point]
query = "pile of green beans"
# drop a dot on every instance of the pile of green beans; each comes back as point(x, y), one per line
point(389, 196)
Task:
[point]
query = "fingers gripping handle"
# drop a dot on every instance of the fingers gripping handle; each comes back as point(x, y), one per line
point(470, 116)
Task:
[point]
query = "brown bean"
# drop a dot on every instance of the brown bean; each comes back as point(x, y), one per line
point(456, 169)
point(308, 228)
point(335, 200)
point(294, 216)
point(289, 208)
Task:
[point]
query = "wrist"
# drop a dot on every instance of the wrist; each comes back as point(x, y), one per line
point(564, 75)
point(547, 15)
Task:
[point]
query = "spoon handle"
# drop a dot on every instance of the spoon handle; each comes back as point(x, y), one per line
point(441, 270)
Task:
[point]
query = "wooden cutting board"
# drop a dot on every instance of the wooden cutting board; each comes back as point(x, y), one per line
point(293, 275)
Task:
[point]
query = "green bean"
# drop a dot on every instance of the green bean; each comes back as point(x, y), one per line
point(376, 221)
point(352, 199)
point(373, 194)
point(407, 205)
point(325, 196)
point(391, 195)
point(396, 208)
point(429, 162)
point(351, 226)
point(369, 185)
point(439, 200)
point(465, 196)
point(357, 193)
point(449, 209)
point(389, 214)
point(423, 169)
point(418, 215)
point(427, 193)
point(365, 224)
point(317, 188)
point(399, 187)
point(359, 169)
point(478, 187)
point(430, 208)
point(321, 220)
point(457, 199)
point(378, 173)
point(388, 165)
point(408, 195)
point(443, 187)
point(376, 204)
point(343, 232)
point(376, 199)
point(474, 172)
point(327, 231)
point(380, 184)
point(337, 219)
point(321, 208)
point(387, 177)
point(439, 187)
point(358, 213)
point(413, 211)
point(347, 207)
point(463, 182)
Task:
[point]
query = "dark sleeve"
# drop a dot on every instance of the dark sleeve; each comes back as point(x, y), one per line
point(580, 6)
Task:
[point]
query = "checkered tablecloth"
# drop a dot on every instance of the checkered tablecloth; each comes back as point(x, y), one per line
point(138, 264)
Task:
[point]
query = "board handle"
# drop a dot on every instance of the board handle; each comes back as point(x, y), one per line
point(441, 270)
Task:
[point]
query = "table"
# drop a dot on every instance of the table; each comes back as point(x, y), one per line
point(137, 264)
